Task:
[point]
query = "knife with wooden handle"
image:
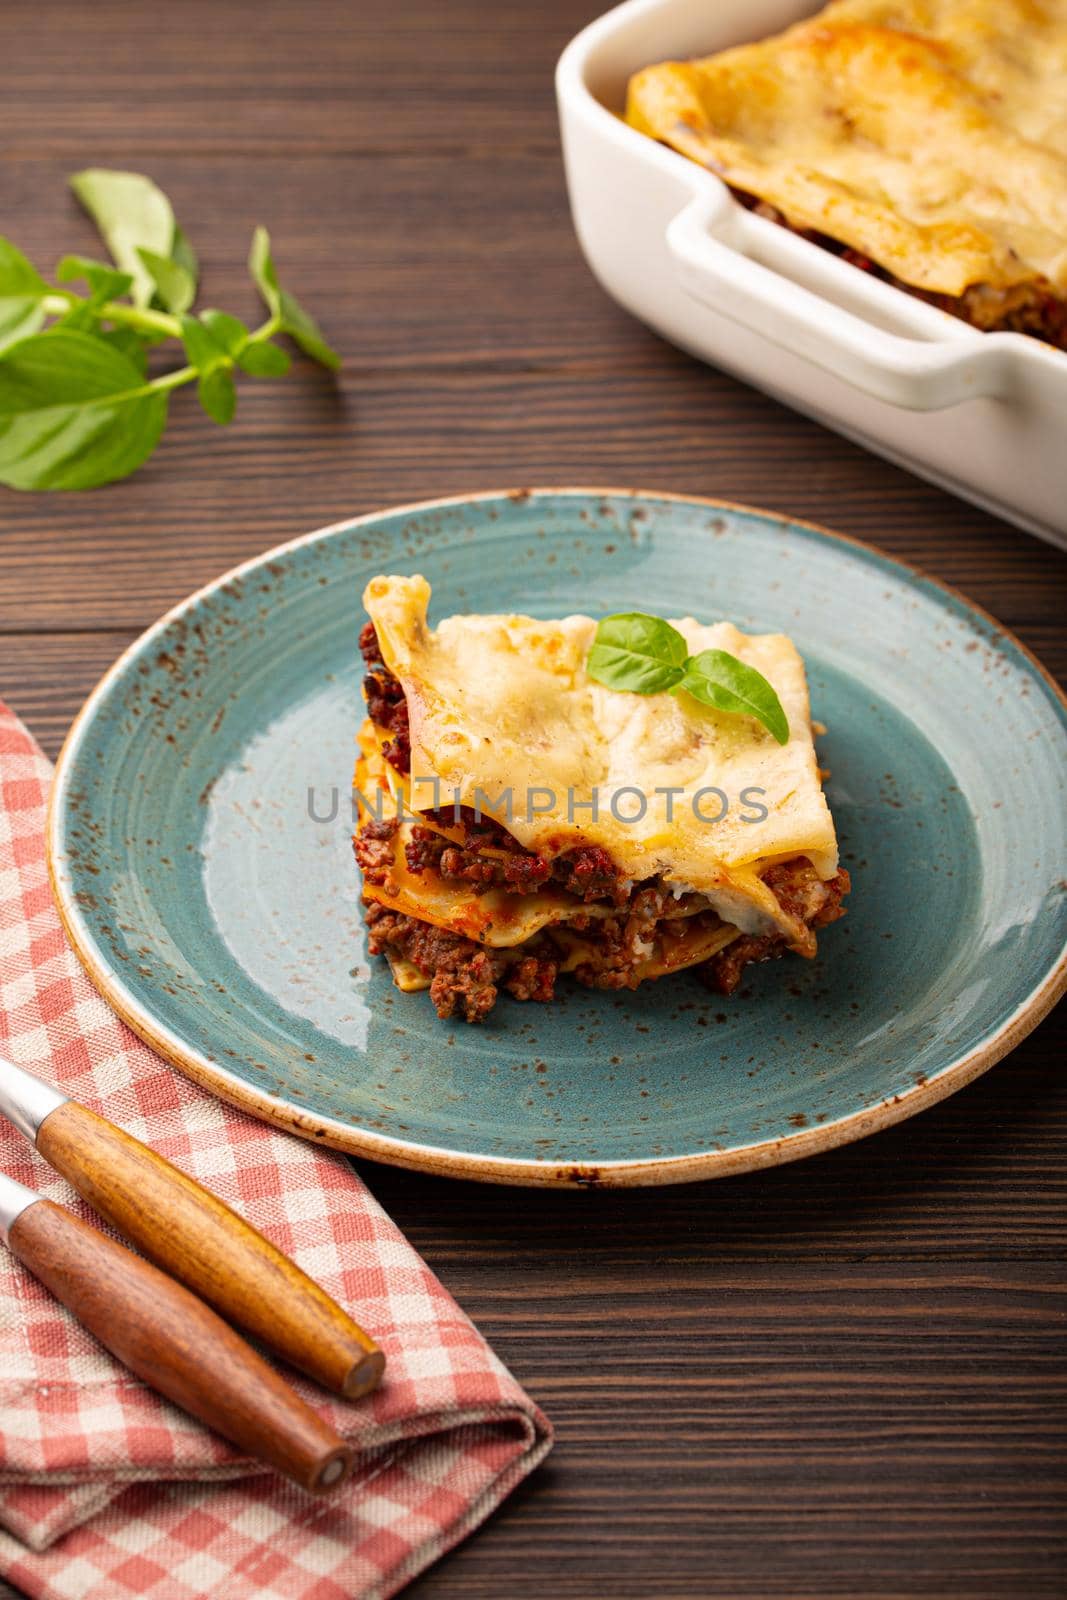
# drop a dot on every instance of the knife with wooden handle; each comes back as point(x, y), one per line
point(194, 1236)
point(171, 1340)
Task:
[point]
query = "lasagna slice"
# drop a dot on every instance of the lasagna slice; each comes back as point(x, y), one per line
point(923, 140)
point(518, 821)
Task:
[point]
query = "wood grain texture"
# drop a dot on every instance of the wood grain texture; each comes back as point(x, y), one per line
point(844, 1378)
point(178, 1346)
point(192, 1235)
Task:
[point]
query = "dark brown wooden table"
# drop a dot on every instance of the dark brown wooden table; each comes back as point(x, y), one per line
point(843, 1378)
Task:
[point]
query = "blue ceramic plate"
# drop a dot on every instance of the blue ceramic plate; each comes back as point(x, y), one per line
point(200, 850)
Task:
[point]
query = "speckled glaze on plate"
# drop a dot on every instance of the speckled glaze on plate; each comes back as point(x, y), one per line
point(199, 845)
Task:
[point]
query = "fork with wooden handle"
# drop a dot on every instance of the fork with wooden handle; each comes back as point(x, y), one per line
point(171, 1340)
point(193, 1236)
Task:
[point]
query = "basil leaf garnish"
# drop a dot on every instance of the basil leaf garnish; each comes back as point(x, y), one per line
point(639, 653)
point(642, 654)
point(719, 679)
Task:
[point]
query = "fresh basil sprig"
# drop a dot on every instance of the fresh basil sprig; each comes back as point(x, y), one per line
point(22, 292)
point(77, 406)
point(133, 216)
point(291, 317)
point(645, 655)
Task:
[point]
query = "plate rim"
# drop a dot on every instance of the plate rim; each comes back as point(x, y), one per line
point(515, 1170)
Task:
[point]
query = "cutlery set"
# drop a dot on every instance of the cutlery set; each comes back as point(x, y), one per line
point(166, 1313)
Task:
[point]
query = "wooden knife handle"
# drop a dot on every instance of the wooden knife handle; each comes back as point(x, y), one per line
point(177, 1345)
point(195, 1237)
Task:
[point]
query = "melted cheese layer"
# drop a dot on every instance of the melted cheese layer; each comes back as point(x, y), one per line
point(504, 702)
point(930, 135)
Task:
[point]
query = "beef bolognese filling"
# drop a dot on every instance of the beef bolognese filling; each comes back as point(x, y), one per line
point(1030, 308)
point(617, 933)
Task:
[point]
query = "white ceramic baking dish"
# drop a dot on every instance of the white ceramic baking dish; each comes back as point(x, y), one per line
point(983, 414)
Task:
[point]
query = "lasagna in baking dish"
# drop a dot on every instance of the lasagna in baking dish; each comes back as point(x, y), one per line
point(923, 140)
point(518, 821)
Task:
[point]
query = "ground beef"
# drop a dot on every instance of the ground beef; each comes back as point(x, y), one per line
point(479, 829)
point(369, 648)
point(723, 972)
point(588, 872)
point(423, 849)
point(800, 892)
point(622, 943)
point(591, 874)
point(386, 703)
point(532, 978)
point(373, 848)
point(388, 709)
point(523, 871)
point(464, 976)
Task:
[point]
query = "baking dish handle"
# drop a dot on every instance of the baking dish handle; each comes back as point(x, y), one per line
point(914, 373)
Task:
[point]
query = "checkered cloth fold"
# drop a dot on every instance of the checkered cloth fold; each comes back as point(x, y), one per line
point(106, 1490)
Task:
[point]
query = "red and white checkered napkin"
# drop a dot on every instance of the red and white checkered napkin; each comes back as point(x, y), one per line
point(106, 1490)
